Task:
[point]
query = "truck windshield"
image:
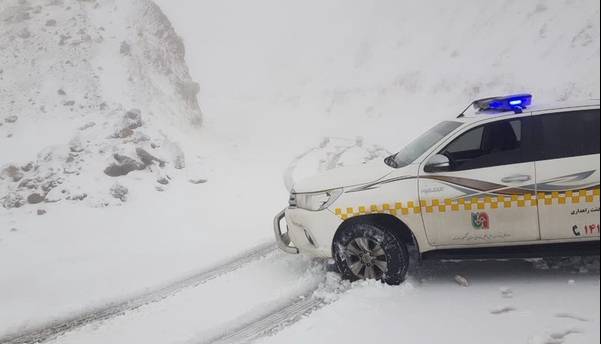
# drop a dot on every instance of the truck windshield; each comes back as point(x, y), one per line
point(421, 144)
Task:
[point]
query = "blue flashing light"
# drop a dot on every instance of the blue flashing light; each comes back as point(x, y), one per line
point(516, 103)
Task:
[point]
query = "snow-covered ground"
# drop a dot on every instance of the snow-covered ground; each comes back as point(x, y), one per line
point(284, 88)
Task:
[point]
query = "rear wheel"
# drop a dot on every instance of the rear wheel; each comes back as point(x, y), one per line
point(367, 251)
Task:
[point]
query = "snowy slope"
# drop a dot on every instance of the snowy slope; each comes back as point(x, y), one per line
point(87, 85)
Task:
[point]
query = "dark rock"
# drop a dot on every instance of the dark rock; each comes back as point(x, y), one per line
point(198, 181)
point(51, 184)
point(41, 212)
point(123, 166)
point(147, 158)
point(11, 119)
point(51, 22)
point(163, 181)
point(35, 198)
point(78, 197)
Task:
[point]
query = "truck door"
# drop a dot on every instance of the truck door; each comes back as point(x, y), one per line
point(567, 173)
point(487, 193)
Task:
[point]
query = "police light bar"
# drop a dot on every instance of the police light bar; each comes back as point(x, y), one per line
point(516, 103)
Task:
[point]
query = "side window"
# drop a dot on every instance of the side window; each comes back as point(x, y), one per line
point(492, 144)
point(567, 134)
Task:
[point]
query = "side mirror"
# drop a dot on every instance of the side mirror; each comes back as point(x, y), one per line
point(438, 163)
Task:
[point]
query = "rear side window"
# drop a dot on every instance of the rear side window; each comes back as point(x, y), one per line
point(567, 134)
point(492, 144)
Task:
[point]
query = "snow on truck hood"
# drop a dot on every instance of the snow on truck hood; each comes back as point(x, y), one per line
point(344, 177)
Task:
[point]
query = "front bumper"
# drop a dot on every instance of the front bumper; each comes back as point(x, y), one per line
point(308, 232)
point(283, 239)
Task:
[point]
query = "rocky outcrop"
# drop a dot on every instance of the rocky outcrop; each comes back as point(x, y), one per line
point(106, 78)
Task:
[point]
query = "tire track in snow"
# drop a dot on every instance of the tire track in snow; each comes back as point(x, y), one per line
point(60, 327)
point(272, 322)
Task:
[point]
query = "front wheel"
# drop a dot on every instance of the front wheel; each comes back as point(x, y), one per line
point(367, 251)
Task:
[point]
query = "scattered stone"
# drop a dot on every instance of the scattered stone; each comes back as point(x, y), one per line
point(125, 49)
point(159, 188)
point(51, 22)
point(506, 293)
point(76, 146)
point(462, 281)
point(87, 126)
point(61, 92)
point(502, 310)
point(41, 212)
point(12, 173)
point(13, 229)
point(198, 181)
point(51, 184)
point(163, 181)
point(124, 133)
point(119, 191)
point(78, 197)
point(180, 162)
point(69, 103)
point(12, 200)
point(11, 119)
point(28, 183)
point(27, 167)
point(147, 158)
point(35, 198)
point(123, 166)
point(133, 119)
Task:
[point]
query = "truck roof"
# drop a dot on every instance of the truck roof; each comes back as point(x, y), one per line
point(476, 116)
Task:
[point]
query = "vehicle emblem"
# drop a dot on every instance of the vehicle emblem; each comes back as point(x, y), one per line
point(480, 220)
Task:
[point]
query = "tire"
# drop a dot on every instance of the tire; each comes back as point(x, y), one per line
point(368, 251)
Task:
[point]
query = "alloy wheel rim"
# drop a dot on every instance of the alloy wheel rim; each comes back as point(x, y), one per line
point(366, 258)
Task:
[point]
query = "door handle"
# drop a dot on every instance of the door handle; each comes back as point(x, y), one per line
point(516, 178)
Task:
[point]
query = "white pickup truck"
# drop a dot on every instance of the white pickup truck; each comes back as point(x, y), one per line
point(508, 180)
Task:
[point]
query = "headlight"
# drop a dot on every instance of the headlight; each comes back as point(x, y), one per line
point(317, 200)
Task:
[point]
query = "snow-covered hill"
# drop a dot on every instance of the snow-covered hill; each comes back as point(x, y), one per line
point(89, 91)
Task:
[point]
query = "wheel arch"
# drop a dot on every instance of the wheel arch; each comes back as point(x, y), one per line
point(387, 221)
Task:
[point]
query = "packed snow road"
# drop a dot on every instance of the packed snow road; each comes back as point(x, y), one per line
point(247, 297)
point(268, 297)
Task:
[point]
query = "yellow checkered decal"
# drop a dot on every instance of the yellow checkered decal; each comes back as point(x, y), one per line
point(475, 203)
